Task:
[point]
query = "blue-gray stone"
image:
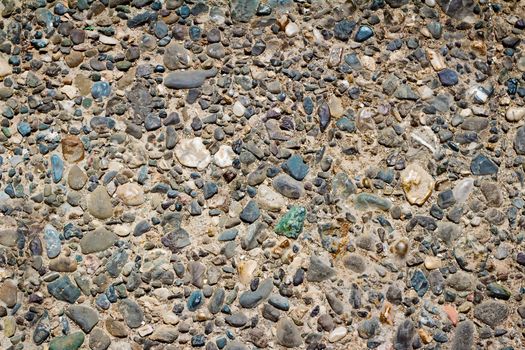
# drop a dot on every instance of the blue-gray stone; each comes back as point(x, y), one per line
point(308, 105)
point(228, 235)
point(448, 77)
point(363, 33)
point(251, 212)
point(279, 302)
point(24, 129)
point(481, 165)
point(52, 240)
point(216, 301)
point(189, 79)
point(131, 312)
point(116, 262)
point(63, 289)
point(195, 300)
point(142, 18)
point(57, 168)
point(345, 124)
point(419, 283)
point(296, 167)
point(343, 29)
point(100, 89)
point(250, 299)
point(210, 189)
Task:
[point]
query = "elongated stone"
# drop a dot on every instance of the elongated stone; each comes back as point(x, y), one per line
point(188, 79)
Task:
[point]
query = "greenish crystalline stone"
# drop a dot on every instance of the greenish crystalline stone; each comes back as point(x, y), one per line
point(72, 341)
point(291, 224)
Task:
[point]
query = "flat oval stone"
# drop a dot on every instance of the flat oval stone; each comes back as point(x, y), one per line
point(97, 241)
point(52, 240)
point(288, 186)
point(99, 203)
point(76, 178)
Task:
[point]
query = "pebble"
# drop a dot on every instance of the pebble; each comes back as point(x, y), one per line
point(193, 153)
point(288, 334)
point(99, 203)
point(288, 187)
point(131, 194)
point(417, 184)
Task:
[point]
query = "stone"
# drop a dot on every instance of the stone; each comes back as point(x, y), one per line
point(448, 77)
point(250, 213)
point(291, 30)
point(250, 299)
point(63, 289)
point(98, 240)
point(291, 224)
point(363, 34)
point(417, 184)
point(131, 194)
point(481, 165)
point(190, 79)
point(295, 167)
point(268, 199)
point(76, 178)
point(318, 270)
point(224, 157)
point(99, 339)
point(365, 201)
point(5, 68)
point(243, 10)
point(519, 141)
point(165, 334)
point(176, 240)
point(404, 334)
point(193, 153)
point(52, 240)
point(337, 334)
point(84, 316)
point(72, 148)
point(288, 186)
point(99, 203)
point(288, 334)
point(419, 283)
point(72, 341)
point(492, 313)
point(177, 57)
point(57, 168)
point(515, 114)
point(464, 336)
point(8, 293)
point(355, 262)
point(131, 313)
point(237, 319)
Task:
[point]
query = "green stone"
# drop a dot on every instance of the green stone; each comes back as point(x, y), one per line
point(366, 201)
point(123, 65)
point(72, 341)
point(496, 290)
point(291, 224)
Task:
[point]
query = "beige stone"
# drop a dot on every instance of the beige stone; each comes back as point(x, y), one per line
point(131, 194)
point(417, 184)
point(99, 203)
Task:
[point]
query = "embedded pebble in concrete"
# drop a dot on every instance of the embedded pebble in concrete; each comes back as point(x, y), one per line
point(262, 174)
